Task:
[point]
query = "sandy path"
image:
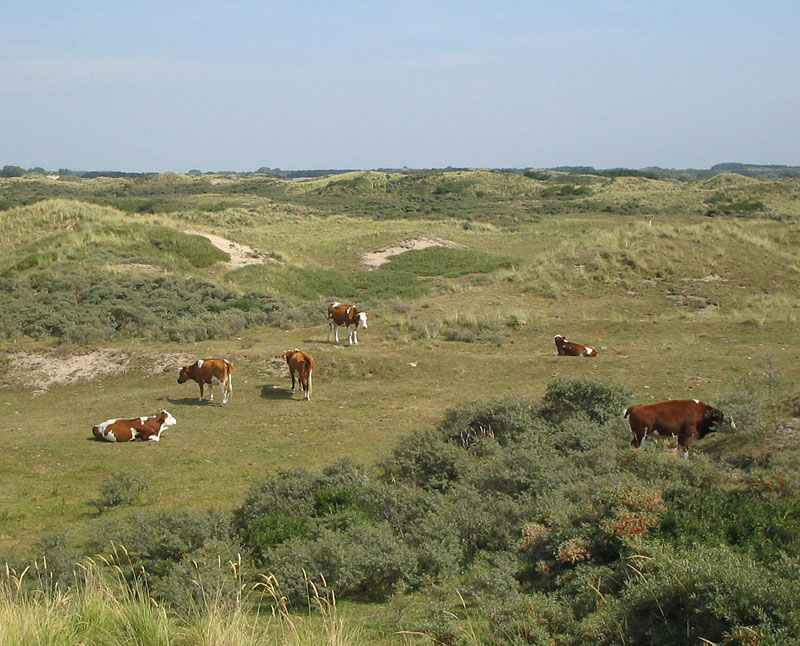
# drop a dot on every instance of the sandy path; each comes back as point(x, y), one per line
point(374, 259)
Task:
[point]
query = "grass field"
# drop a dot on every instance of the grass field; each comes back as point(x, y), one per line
point(679, 305)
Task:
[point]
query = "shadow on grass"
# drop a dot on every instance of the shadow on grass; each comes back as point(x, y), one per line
point(270, 391)
point(192, 401)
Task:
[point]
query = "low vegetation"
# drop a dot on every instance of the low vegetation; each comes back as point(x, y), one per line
point(454, 481)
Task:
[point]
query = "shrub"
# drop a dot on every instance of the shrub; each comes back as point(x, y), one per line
point(501, 419)
point(710, 594)
point(156, 542)
point(121, 488)
point(423, 458)
point(365, 562)
point(598, 401)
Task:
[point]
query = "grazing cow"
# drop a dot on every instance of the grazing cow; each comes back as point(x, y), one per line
point(349, 315)
point(564, 347)
point(210, 371)
point(688, 419)
point(301, 365)
point(138, 428)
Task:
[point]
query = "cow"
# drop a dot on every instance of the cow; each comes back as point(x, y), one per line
point(349, 315)
point(565, 347)
point(688, 419)
point(137, 428)
point(301, 365)
point(210, 371)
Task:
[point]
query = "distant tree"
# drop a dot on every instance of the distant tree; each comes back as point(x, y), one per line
point(38, 170)
point(12, 171)
point(65, 171)
point(194, 171)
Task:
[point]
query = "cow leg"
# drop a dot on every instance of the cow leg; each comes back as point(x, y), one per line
point(293, 381)
point(308, 387)
point(202, 390)
point(221, 386)
point(353, 336)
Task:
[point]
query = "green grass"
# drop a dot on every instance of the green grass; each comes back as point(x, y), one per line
point(688, 306)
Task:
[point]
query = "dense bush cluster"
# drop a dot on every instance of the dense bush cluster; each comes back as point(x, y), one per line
point(550, 526)
point(76, 306)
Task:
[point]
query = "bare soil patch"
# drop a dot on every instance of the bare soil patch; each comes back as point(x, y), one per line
point(41, 370)
point(374, 259)
point(241, 255)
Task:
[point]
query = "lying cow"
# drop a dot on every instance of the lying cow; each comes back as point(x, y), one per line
point(687, 419)
point(137, 428)
point(210, 371)
point(301, 365)
point(350, 316)
point(565, 347)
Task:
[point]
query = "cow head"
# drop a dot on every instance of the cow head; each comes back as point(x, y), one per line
point(362, 320)
point(714, 418)
point(165, 419)
point(186, 373)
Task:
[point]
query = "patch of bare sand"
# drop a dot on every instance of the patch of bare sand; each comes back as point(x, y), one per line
point(374, 259)
point(241, 255)
point(41, 370)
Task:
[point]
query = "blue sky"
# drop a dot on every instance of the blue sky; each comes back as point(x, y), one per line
point(173, 86)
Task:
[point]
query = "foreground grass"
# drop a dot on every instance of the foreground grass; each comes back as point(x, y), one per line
point(101, 608)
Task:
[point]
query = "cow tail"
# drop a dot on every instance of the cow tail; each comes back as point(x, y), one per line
point(230, 377)
point(309, 370)
point(627, 411)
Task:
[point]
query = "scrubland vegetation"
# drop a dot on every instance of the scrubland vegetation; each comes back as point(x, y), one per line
point(454, 481)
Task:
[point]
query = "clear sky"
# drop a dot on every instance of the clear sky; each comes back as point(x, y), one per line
point(179, 85)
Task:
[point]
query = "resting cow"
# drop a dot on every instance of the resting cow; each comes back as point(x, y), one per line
point(565, 347)
point(210, 371)
point(137, 428)
point(301, 365)
point(687, 419)
point(348, 315)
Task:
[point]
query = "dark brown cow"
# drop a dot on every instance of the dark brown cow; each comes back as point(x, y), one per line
point(210, 371)
point(137, 428)
point(565, 347)
point(301, 365)
point(348, 315)
point(687, 419)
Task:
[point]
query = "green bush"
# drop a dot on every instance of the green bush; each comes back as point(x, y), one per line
point(711, 594)
point(121, 488)
point(426, 460)
point(598, 401)
point(365, 562)
point(157, 541)
point(501, 419)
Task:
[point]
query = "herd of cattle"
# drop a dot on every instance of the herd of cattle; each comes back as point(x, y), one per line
point(685, 419)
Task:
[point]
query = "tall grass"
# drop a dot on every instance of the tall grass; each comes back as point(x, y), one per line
point(106, 606)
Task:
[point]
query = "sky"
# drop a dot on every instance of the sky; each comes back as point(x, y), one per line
point(143, 86)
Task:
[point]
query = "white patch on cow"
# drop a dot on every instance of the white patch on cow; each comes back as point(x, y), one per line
point(362, 320)
point(170, 421)
point(153, 438)
point(199, 363)
point(335, 304)
point(143, 420)
point(589, 352)
point(696, 401)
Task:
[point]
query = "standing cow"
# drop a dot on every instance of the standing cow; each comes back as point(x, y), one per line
point(687, 419)
point(301, 365)
point(340, 314)
point(210, 371)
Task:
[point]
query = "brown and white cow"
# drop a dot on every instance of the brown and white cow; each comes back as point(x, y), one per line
point(348, 315)
point(137, 428)
point(565, 347)
point(301, 365)
point(210, 371)
point(687, 419)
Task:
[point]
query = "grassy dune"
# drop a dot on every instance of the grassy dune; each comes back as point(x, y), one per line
point(677, 303)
